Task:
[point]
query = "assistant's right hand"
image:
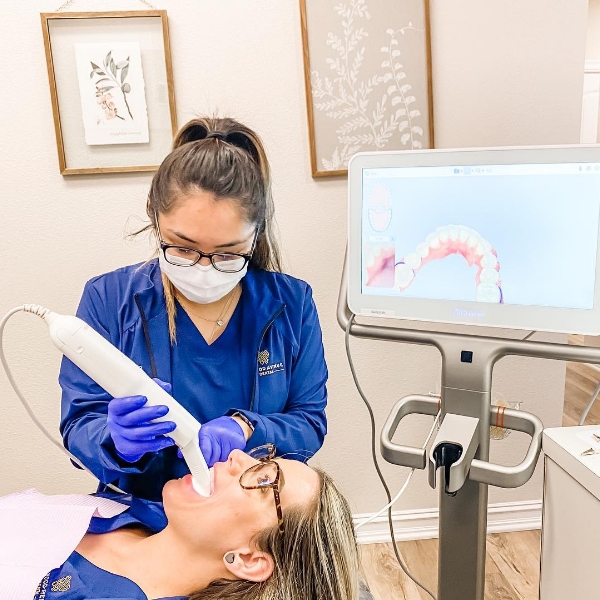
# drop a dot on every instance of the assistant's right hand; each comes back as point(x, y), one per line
point(131, 430)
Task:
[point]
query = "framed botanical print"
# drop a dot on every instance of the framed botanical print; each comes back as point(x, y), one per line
point(111, 86)
point(367, 66)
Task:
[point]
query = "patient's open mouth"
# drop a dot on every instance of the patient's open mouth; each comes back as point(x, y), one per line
point(189, 480)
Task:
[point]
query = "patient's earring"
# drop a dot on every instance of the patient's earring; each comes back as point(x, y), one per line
point(229, 558)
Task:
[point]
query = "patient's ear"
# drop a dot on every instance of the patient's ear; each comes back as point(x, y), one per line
point(251, 565)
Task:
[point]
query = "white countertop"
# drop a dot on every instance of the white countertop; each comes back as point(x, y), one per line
point(564, 446)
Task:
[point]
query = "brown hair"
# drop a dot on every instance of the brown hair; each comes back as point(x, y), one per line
point(227, 159)
point(316, 557)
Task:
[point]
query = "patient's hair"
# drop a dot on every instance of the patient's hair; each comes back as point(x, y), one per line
point(316, 557)
point(227, 159)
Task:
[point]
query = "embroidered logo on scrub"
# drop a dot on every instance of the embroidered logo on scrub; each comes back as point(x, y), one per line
point(61, 585)
point(266, 368)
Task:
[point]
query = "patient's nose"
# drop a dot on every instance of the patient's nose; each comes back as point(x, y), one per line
point(239, 461)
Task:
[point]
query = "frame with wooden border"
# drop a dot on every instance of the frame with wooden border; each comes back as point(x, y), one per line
point(426, 121)
point(159, 90)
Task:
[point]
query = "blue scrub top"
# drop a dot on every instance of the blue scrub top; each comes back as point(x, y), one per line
point(79, 579)
point(275, 374)
point(209, 376)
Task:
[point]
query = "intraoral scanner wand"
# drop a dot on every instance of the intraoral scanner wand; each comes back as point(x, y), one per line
point(121, 377)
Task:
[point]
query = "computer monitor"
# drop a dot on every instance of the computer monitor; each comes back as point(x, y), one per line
point(500, 237)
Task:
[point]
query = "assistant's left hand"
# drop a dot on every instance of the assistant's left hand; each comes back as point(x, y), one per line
point(219, 437)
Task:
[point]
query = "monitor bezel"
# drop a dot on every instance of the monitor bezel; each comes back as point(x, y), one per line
point(505, 316)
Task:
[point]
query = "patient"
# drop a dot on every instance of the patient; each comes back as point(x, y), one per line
point(272, 530)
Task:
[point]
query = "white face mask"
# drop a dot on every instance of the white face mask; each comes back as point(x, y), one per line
point(199, 283)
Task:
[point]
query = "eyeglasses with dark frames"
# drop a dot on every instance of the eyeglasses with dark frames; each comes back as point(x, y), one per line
point(266, 474)
point(226, 262)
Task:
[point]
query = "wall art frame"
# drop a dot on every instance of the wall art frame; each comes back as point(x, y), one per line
point(368, 78)
point(111, 87)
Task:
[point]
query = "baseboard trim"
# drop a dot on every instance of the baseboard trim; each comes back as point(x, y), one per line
point(592, 66)
point(421, 524)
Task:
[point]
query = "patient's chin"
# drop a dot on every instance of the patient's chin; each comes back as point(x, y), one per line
point(169, 485)
point(171, 492)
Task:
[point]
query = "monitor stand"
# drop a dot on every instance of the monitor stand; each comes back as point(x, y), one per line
point(462, 476)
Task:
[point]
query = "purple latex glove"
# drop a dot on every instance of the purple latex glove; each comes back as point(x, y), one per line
point(130, 427)
point(218, 438)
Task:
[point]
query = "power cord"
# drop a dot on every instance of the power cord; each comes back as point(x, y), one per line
point(589, 405)
point(403, 488)
point(375, 462)
point(40, 312)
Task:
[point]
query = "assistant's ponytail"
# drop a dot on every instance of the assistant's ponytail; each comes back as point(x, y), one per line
point(192, 131)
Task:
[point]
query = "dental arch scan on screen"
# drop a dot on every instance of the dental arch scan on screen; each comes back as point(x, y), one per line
point(472, 236)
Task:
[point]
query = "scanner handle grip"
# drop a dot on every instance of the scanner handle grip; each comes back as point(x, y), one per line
point(397, 454)
point(506, 476)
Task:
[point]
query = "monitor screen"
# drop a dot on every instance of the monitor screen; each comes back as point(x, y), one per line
point(498, 237)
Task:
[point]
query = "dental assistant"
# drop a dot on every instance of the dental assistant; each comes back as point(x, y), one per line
point(234, 340)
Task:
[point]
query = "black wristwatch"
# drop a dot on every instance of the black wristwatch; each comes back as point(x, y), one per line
point(244, 418)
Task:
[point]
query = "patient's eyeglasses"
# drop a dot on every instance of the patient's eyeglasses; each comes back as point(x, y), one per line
point(266, 474)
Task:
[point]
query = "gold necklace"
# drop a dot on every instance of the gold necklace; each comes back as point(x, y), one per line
point(219, 322)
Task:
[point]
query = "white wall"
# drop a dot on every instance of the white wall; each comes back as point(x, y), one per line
point(592, 51)
point(591, 80)
point(506, 72)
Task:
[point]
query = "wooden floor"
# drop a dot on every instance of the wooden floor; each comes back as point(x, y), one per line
point(512, 568)
point(512, 562)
